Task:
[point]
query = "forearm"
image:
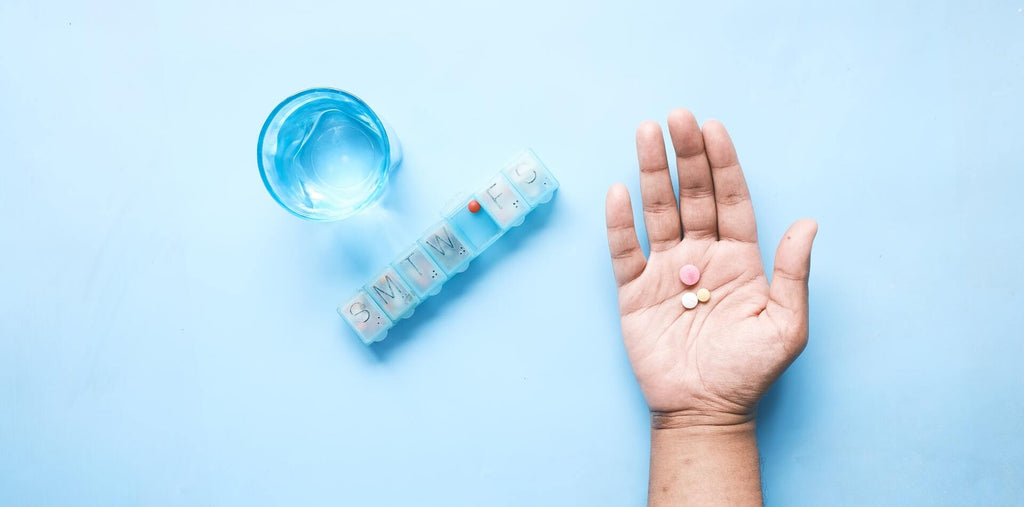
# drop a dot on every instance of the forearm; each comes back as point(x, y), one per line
point(704, 465)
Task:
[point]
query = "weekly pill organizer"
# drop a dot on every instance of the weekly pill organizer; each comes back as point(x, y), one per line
point(445, 249)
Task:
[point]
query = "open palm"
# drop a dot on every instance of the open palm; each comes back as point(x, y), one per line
point(711, 364)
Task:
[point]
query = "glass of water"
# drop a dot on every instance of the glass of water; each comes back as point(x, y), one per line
point(325, 155)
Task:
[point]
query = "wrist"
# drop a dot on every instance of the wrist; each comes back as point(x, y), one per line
point(704, 461)
point(700, 434)
point(700, 421)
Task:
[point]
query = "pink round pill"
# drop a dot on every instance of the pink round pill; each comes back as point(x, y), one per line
point(689, 274)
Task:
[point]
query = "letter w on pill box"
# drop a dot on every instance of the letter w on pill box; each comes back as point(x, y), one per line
point(447, 247)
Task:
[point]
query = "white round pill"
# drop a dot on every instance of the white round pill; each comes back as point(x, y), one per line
point(689, 300)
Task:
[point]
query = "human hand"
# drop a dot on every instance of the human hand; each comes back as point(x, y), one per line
point(707, 366)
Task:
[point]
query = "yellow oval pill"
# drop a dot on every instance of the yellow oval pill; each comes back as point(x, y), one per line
point(703, 295)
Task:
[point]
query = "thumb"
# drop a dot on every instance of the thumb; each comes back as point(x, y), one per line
point(792, 266)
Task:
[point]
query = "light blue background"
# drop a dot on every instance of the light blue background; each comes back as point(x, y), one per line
point(168, 335)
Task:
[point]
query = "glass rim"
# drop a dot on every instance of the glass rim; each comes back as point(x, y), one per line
point(274, 115)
